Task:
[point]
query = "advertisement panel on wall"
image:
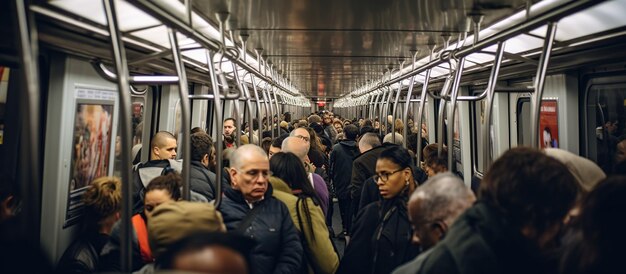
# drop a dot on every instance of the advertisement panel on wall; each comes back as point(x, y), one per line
point(549, 124)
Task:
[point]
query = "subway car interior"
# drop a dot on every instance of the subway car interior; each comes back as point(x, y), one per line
point(87, 86)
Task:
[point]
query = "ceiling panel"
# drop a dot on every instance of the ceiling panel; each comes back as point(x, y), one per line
point(328, 48)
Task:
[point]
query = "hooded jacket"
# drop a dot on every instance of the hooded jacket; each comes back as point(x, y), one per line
point(341, 159)
point(278, 248)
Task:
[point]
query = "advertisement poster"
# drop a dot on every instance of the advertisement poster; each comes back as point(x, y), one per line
point(91, 145)
point(548, 124)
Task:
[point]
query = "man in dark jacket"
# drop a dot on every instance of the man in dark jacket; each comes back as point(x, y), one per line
point(524, 198)
point(249, 208)
point(201, 179)
point(341, 159)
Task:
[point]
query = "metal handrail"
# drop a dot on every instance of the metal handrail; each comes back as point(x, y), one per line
point(420, 113)
point(185, 111)
point(407, 105)
point(540, 83)
point(119, 60)
point(486, 127)
point(219, 130)
point(451, 112)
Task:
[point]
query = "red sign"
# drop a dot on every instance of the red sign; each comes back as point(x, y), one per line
point(548, 124)
point(321, 104)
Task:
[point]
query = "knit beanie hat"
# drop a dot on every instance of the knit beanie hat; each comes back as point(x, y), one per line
point(171, 222)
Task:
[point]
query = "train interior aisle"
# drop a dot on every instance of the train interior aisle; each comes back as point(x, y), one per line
point(97, 88)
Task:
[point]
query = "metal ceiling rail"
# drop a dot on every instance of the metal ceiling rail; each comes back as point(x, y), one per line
point(551, 15)
point(540, 83)
point(167, 18)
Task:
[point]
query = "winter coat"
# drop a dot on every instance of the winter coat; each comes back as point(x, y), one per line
point(82, 256)
point(381, 240)
point(340, 167)
point(483, 241)
point(278, 248)
point(320, 253)
point(202, 180)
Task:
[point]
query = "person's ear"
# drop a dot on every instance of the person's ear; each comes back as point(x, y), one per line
point(205, 160)
point(155, 151)
point(439, 229)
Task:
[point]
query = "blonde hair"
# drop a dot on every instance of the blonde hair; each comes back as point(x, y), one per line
point(102, 199)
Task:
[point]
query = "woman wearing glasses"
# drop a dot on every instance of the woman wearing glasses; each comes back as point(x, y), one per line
point(381, 238)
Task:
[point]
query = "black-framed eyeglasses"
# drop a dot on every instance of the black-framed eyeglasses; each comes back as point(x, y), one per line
point(306, 139)
point(385, 176)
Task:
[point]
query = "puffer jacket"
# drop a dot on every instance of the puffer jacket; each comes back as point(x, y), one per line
point(321, 254)
point(340, 170)
point(278, 248)
point(202, 180)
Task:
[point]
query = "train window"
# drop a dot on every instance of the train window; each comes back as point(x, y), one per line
point(606, 116)
point(478, 113)
point(523, 122)
point(4, 90)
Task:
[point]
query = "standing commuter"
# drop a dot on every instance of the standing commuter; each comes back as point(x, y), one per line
point(433, 208)
point(341, 159)
point(523, 201)
point(291, 186)
point(299, 147)
point(381, 238)
point(202, 179)
point(229, 133)
point(102, 201)
point(249, 209)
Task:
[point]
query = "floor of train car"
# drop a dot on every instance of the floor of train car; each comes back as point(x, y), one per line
point(339, 241)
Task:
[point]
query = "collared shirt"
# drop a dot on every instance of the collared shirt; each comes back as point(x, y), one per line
point(251, 204)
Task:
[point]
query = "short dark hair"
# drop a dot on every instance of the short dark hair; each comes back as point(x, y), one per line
point(201, 144)
point(278, 141)
point(169, 182)
point(351, 132)
point(266, 143)
point(230, 119)
point(196, 129)
point(530, 188)
point(366, 129)
point(398, 155)
point(432, 157)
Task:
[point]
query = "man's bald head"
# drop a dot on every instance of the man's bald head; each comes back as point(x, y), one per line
point(163, 146)
point(368, 141)
point(439, 201)
point(238, 158)
point(296, 146)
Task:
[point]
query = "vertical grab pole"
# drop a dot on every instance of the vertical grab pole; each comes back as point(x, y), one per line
point(540, 81)
point(405, 115)
point(388, 102)
point(493, 77)
point(278, 114)
point(119, 59)
point(381, 107)
point(268, 109)
point(219, 128)
point(258, 109)
point(452, 111)
point(420, 113)
point(246, 93)
point(442, 108)
point(30, 170)
point(184, 103)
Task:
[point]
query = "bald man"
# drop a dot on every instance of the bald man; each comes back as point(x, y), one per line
point(249, 208)
point(433, 208)
point(300, 148)
point(162, 155)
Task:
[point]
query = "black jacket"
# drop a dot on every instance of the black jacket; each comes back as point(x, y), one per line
point(278, 248)
point(363, 167)
point(381, 240)
point(483, 241)
point(202, 180)
point(340, 170)
point(82, 256)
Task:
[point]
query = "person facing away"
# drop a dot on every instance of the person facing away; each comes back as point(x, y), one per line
point(248, 208)
point(523, 201)
point(433, 208)
point(291, 186)
point(299, 147)
point(598, 248)
point(102, 201)
point(162, 189)
point(381, 238)
point(341, 158)
point(202, 179)
point(209, 252)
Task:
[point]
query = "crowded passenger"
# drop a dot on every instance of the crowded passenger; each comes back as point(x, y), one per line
point(249, 209)
point(433, 208)
point(202, 179)
point(381, 238)
point(230, 134)
point(523, 200)
point(291, 186)
point(102, 203)
point(276, 145)
point(340, 163)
